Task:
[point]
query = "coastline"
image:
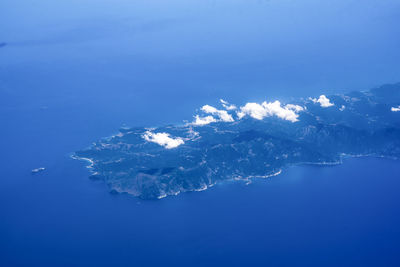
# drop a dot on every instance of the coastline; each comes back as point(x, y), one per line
point(248, 180)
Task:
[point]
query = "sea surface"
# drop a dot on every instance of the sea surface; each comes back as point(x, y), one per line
point(72, 72)
point(345, 215)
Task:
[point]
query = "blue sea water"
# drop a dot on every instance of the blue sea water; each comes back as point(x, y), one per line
point(344, 215)
point(72, 72)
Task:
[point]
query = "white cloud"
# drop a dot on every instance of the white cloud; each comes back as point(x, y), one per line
point(260, 111)
point(226, 105)
point(223, 115)
point(295, 108)
point(323, 101)
point(203, 120)
point(395, 109)
point(163, 139)
point(342, 108)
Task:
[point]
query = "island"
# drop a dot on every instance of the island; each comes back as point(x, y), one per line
point(254, 140)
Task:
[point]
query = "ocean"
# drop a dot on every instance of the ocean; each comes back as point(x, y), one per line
point(73, 72)
point(344, 215)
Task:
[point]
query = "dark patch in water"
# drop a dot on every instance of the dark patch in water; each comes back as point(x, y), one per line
point(151, 171)
point(167, 170)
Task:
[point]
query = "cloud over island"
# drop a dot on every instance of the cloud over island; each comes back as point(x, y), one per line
point(268, 109)
point(163, 139)
point(289, 112)
point(323, 101)
point(257, 111)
